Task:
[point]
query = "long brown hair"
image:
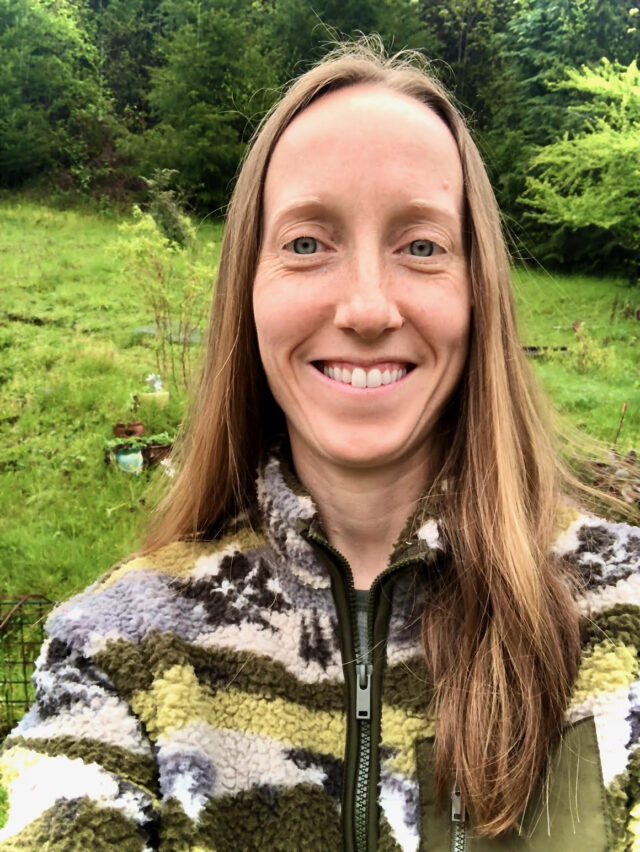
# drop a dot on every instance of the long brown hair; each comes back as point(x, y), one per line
point(500, 629)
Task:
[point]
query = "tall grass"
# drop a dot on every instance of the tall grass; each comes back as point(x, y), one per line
point(600, 370)
point(70, 359)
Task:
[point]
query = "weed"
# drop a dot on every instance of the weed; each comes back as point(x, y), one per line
point(588, 356)
point(174, 284)
point(167, 208)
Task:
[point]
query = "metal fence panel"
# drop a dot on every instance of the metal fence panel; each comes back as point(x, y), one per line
point(21, 635)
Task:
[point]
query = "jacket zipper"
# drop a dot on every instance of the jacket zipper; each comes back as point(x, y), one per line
point(458, 823)
point(363, 702)
point(363, 715)
point(364, 672)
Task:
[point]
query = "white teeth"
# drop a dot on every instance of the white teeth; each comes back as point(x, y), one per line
point(374, 378)
point(358, 378)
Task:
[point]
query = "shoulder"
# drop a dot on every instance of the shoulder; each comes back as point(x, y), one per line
point(173, 588)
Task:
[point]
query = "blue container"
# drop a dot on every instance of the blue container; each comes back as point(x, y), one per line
point(130, 461)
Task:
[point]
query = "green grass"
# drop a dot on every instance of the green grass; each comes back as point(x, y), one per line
point(69, 362)
point(590, 382)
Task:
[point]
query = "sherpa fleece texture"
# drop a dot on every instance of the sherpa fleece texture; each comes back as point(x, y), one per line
point(194, 699)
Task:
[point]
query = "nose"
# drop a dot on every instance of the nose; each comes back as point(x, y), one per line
point(366, 305)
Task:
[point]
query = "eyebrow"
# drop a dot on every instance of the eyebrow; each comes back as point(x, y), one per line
point(416, 208)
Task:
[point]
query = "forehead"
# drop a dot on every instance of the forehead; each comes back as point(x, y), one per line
point(366, 144)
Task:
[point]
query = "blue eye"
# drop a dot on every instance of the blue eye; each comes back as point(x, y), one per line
point(424, 248)
point(305, 245)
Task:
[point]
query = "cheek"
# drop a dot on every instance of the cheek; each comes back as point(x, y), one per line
point(286, 315)
point(446, 323)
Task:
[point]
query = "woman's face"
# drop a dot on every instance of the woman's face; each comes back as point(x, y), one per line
point(361, 297)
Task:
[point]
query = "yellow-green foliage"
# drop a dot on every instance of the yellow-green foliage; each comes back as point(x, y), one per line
point(3, 807)
point(175, 282)
point(593, 178)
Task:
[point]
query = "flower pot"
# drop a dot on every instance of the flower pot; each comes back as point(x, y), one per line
point(159, 398)
point(130, 461)
point(131, 430)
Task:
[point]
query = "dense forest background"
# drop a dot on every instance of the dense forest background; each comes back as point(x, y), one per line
point(97, 94)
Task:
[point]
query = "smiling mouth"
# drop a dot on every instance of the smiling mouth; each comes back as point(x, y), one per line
point(359, 377)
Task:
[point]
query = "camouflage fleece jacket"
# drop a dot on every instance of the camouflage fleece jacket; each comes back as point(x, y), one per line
point(213, 697)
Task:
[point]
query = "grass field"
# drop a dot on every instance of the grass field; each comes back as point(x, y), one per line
point(69, 363)
point(70, 360)
point(591, 381)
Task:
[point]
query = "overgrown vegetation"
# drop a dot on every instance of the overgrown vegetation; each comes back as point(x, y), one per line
point(108, 92)
point(173, 281)
point(72, 356)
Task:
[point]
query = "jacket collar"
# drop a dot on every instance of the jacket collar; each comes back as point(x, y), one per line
point(291, 516)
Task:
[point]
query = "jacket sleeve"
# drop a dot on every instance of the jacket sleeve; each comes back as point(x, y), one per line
point(79, 769)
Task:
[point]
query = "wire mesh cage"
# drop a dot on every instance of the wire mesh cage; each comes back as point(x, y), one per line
point(21, 635)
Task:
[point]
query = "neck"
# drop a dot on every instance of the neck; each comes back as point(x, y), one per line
point(363, 511)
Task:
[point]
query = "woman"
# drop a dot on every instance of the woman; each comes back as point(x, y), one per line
point(394, 638)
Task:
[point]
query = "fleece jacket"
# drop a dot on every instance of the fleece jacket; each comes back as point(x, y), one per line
point(203, 699)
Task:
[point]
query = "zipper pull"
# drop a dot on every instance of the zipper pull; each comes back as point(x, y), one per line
point(363, 691)
point(458, 810)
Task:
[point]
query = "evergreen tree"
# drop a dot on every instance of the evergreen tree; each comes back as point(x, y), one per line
point(589, 182)
point(53, 114)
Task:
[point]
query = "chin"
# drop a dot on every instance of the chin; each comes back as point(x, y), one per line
point(366, 453)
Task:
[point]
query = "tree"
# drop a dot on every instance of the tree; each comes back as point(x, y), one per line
point(591, 179)
point(463, 35)
point(297, 33)
point(124, 35)
point(51, 109)
point(525, 110)
point(212, 84)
